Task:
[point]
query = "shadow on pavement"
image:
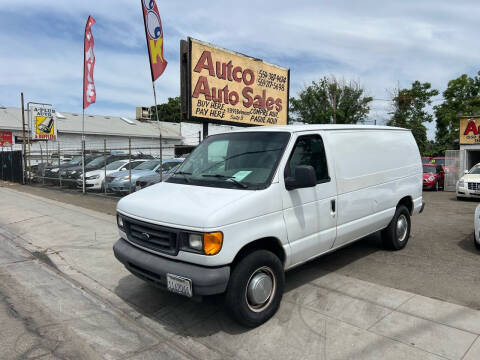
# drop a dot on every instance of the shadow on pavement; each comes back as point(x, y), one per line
point(186, 317)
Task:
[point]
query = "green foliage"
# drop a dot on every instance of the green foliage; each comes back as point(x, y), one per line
point(409, 111)
point(169, 111)
point(461, 98)
point(329, 99)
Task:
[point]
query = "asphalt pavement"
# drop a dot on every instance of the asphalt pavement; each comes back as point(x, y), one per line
point(63, 295)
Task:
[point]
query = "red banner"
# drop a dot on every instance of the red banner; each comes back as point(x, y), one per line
point(6, 139)
point(89, 93)
point(154, 34)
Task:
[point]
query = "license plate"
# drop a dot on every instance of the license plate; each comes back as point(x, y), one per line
point(179, 285)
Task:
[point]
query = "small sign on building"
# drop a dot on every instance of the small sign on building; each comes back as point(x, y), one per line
point(6, 139)
point(223, 86)
point(470, 130)
point(44, 123)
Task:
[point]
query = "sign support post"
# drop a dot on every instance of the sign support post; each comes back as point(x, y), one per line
point(23, 140)
point(159, 130)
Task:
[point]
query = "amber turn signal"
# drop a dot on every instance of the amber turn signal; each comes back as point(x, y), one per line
point(212, 242)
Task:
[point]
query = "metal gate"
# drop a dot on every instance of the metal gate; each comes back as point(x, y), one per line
point(11, 168)
point(452, 169)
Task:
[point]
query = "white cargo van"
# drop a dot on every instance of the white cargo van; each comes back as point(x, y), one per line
point(247, 205)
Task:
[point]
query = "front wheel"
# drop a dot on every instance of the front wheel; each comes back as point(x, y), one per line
point(395, 235)
point(476, 242)
point(255, 288)
point(436, 186)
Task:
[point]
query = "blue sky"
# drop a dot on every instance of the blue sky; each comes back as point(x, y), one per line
point(377, 43)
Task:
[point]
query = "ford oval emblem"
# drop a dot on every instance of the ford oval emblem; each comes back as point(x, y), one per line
point(147, 235)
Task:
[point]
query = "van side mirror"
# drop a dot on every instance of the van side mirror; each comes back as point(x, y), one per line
point(465, 172)
point(305, 177)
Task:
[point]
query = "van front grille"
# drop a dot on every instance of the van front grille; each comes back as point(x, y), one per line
point(151, 236)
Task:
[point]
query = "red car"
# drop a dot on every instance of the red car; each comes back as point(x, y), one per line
point(426, 159)
point(433, 177)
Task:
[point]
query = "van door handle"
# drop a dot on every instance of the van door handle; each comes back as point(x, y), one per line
point(332, 203)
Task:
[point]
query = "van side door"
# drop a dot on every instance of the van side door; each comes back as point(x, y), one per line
point(310, 213)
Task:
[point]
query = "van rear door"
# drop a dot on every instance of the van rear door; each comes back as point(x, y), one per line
point(310, 213)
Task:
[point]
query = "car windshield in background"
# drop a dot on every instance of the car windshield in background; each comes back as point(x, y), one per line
point(115, 165)
point(148, 165)
point(168, 165)
point(77, 160)
point(429, 169)
point(97, 161)
point(173, 169)
point(475, 170)
point(438, 161)
point(245, 160)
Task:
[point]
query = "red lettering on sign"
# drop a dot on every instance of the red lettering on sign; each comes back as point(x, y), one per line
point(471, 127)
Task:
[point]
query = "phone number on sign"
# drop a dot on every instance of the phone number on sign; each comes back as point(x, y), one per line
point(271, 80)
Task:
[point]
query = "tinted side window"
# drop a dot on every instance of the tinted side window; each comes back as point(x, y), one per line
point(309, 150)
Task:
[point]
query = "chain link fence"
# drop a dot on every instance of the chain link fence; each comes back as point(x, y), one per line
point(112, 168)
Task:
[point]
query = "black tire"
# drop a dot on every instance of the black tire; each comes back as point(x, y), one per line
point(459, 198)
point(392, 239)
point(477, 245)
point(261, 262)
point(436, 186)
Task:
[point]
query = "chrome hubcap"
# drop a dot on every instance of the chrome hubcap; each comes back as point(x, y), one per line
point(260, 289)
point(402, 227)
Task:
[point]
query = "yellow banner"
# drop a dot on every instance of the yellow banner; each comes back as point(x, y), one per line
point(230, 87)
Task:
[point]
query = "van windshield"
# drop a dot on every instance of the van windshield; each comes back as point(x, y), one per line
point(235, 160)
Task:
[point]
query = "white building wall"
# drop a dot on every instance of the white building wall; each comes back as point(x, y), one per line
point(190, 131)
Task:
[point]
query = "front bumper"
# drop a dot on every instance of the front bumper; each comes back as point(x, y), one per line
point(154, 269)
point(121, 186)
point(464, 192)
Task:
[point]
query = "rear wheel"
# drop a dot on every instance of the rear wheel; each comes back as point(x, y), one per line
point(395, 236)
point(255, 288)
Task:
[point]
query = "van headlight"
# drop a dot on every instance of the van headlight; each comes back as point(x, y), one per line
point(461, 183)
point(93, 177)
point(203, 243)
point(431, 178)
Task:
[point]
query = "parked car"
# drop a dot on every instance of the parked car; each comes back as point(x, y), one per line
point(426, 159)
point(248, 205)
point(148, 180)
point(99, 162)
point(95, 179)
point(433, 177)
point(468, 186)
point(476, 221)
point(124, 181)
point(52, 171)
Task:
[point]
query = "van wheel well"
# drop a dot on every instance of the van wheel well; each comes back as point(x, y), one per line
point(269, 243)
point(407, 202)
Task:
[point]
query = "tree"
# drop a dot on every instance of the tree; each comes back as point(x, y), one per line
point(410, 111)
point(331, 101)
point(169, 111)
point(461, 98)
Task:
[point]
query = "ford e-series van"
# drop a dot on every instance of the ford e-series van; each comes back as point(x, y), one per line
point(248, 205)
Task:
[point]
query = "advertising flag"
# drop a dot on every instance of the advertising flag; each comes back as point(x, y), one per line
point(154, 34)
point(89, 93)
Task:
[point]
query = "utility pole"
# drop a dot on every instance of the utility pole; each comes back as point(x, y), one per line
point(335, 106)
point(23, 139)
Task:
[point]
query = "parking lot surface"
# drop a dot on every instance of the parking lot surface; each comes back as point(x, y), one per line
point(361, 302)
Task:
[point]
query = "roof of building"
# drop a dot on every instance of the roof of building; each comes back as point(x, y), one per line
point(11, 119)
point(325, 127)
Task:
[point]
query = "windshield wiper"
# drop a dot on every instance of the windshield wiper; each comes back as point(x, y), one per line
point(235, 181)
point(183, 173)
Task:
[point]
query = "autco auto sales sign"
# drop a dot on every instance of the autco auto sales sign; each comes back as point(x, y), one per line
point(224, 86)
point(44, 124)
point(470, 130)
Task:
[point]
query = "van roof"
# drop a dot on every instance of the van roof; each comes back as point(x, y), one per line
point(325, 127)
